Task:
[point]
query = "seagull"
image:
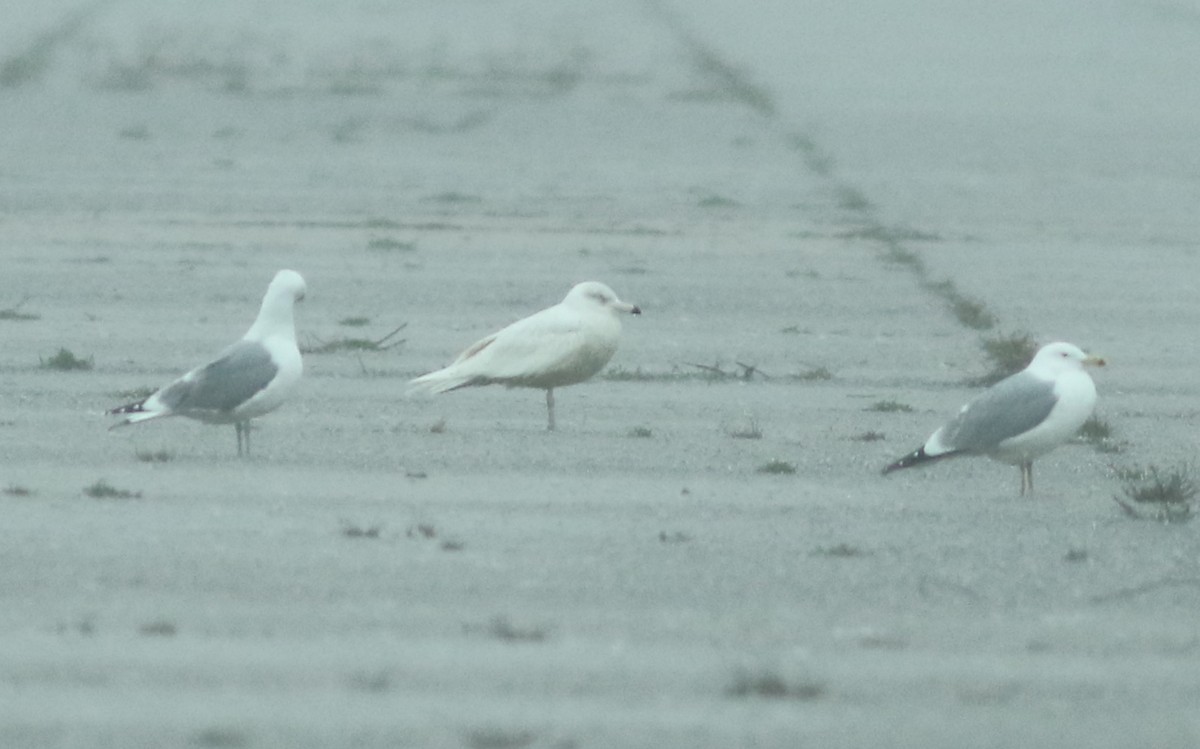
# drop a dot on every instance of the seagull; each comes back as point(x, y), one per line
point(1020, 418)
point(250, 378)
point(561, 345)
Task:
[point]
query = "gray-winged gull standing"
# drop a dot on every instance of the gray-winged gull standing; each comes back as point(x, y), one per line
point(1020, 418)
point(250, 378)
point(561, 345)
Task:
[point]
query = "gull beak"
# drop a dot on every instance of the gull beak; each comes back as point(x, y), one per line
point(635, 310)
point(1094, 361)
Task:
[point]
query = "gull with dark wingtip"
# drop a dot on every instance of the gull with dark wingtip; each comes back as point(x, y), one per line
point(1020, 418)
point(250, 378)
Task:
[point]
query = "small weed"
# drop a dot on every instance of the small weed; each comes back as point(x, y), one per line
point(452, 545)
point(889, 407)
point(778, 467)
point(387, 244)
point(972, 314)
point(502, 629)
point(890, 234)
point(421, 530)
point(706, 373)
point(378, 681)
point(678, 537)
point(771, 685)
point(135, 132)
point(438, 427)
point(354, 344)
point(354, 322)
point(221, 738)
point(349, 530)
point(155, 456)
point(1158, 494)
point(85, 626)
point(717, 372)
point(65, 361)
point(1094, 430)
point(813, 375)
point(747, 430)
point(159, 628)
point(453, 197)
point(498, 738)
point(810, 273)
point(869, 436)
point(792, 330)
point(103, 490)
point(1075, 555)
point(1008, 354)
point(1097, 433)
point(14, 490)
point(641, 432)
point(717, 201)
point(840, 550)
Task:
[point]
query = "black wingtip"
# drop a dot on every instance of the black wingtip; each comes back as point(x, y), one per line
point(128, 408)
point(915, 457)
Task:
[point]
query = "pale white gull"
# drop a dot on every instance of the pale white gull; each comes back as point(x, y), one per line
point(561, 345)
point(250, 378)
point(1020, 418)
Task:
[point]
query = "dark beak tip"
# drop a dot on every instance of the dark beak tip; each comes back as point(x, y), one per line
point(636, 310)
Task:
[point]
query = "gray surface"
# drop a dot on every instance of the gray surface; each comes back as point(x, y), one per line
point(743, 173)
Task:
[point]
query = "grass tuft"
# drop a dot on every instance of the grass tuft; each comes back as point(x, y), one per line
point(15, 490)
point(1097, 433)
point(65, 361)
point(502, 629)
point(103, 490)
point(778, 467)
point(354, 344)
point(387, 244)
point(869, 436)
point(747, 430)
point(349, 530)
point(812, 375)
point(1155, 493)
point(840, 550)
point(160, 628)
point(155, 456)
point(1008, 354)
point(641, 432)
point(889, 407)
point(771, 685)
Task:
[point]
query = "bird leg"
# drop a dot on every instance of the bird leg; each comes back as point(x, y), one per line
point(550, 408)
point(243, 428)
point(1026, 477)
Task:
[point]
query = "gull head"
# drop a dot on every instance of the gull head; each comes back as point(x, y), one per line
point(1054, 358)
point(594, 294)
point(287, 284)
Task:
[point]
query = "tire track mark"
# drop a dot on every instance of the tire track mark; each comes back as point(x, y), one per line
point(890, 241)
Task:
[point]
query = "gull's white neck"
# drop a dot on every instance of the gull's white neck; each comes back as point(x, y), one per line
point(276, 318)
